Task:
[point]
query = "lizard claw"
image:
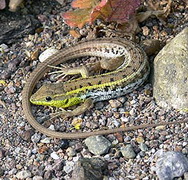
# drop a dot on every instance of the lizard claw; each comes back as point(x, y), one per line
point(63, 113)
point(63, 70)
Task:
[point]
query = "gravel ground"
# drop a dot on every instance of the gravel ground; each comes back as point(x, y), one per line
point(24, 149)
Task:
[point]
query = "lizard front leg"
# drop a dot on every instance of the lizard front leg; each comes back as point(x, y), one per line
point(84, 71)
point(72, 71)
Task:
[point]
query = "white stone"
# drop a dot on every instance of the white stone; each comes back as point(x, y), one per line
point(54, 155)
point(17, 150)
point(37, 178)
point(45, 140)
point(4, 48)
point(75, 159)
point(47, 53)
point(51, 127)
point(29, 44)
point(23, 174)
point(68, 167)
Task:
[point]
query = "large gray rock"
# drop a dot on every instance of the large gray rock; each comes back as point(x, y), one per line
point(170, 86)
point(170, 165)
point(89, 169)
point(16, 26)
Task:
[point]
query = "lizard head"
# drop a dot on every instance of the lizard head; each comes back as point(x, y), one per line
point(54, 95)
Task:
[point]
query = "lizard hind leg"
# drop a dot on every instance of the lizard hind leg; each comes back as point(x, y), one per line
point(112, 64)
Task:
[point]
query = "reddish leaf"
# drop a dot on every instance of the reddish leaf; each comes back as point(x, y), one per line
point(100, 10)
point(84, 4)
point(122, 10)
point(119, 11)
point(77, 18)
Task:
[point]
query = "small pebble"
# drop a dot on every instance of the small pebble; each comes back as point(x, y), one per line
point(26, 135)
point(145, 30)
point(78, 147)
point(132, 112)
point(51, 127)
point(34, 150)
point(70, 152)
point(29, 44)
point(54, 155)
point(115, 103)
point(143, 147)
point(97, 145)
point(3, 48)
point(37, 178)
point(17, 150)
point(99, 105)
point(1, 172)
point(68, 167)
point(128, 152)
point(185, 176)
point(23, 174)
point(75, 159)
point(2, 153)
point(64, 144)
point(48, 174)
point(36, 138)
point(139, 139)
point(45, 140)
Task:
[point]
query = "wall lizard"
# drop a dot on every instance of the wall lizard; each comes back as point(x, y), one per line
point(130, 75)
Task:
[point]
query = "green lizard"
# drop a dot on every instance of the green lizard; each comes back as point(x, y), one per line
point(128, 67)
point(132, 72)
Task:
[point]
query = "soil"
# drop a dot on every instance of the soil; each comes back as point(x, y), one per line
point(22, 149)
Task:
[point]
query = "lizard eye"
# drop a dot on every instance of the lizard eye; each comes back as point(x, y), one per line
point(48, 98)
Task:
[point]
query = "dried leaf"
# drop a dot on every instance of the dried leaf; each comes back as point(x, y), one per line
point(159, 9)
point(3, 104)
point(28, 54)
point(62, 2)
point(2, 82)
point(34, 54)
point(74, 33)
point(139, 139)
point(77, 126)
point(129, 27)
point(142, 16)
point(119, 137)
point(42, 149)
point(77, 123)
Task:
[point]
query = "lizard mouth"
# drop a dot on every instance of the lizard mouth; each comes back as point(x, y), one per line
point(33, 101)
